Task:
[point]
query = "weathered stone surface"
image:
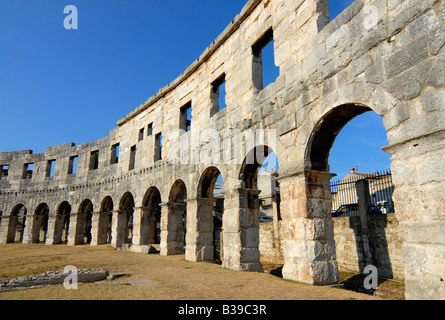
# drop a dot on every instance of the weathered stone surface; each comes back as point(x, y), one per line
point(52, 278)
point(433, 100)
point(405, 58)
point(138, 198)
point(408, 84)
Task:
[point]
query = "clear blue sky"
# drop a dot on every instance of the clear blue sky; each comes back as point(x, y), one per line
point(59, 86)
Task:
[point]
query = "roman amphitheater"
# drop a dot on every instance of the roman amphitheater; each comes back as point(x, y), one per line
point(152, 178)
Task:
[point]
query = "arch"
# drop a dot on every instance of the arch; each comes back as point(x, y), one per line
point(211, 211)
point(107, 204)
point(247, 213)
point(62, 225)
point(174, 220)
point(152, 200)
point(178, 192)
point(251, 165)
point(126, 207)
point(42, 209)
point(313, 187)
point(86, 206)
point(40, 223)
point(16, 209)
point(102, 222)
point(152, 197)
point(86, 210)
point(324, 133)
point(207, 182)
point(17, 223)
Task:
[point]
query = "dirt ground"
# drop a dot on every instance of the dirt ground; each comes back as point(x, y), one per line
point(153, 277)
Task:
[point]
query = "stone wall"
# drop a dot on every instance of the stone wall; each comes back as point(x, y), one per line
point(270, 243)
point(385, 244)
point(377, 55)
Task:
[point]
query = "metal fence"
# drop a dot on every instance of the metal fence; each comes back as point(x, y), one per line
point(345, 200)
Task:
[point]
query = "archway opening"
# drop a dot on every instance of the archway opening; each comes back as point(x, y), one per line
point(17, 223)
point(86, 210)
point(211, 186)
point(347, 142)
point(105, 220)
point(62, 223)
point(152, 201)
point(258, 175)
point(40, 227)
point(127, 207)
point(177, 197)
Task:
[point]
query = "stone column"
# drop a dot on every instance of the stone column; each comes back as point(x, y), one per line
point(362, 188)
point(99, 228)
point(152, 226)
point(172, 241)
point(199, 230)
point(119, 220)
point(140, 226)
point(31, 234)
point(77, 228)
point(51, 231)
point(241, 230)
point(307, 228)
point(418, 172)
point(56, 228)
point(8, 229)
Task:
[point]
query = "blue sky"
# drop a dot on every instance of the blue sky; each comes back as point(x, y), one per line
point(59, 86)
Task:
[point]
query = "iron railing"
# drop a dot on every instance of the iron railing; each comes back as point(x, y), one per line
point(345, 199)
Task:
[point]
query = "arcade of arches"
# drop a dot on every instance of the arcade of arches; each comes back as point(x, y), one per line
point(151, 184)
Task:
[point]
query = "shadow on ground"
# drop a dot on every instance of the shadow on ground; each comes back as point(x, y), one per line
point(386, 288)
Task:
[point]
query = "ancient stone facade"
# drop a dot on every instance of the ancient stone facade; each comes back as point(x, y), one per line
point(152, 182)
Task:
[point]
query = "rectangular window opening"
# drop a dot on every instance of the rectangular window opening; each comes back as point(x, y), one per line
point(50, 168)
point(150, 129)
point(132, 158)
point(4, 171)
point(218, 94)
point(114, 153)
point(185, 120)
point(158, 147)
point(141, 135)
point(72, 165)
point(264, 69)
point(94, 160)
point(27, 170)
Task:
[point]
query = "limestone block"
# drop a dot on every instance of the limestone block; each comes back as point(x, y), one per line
point(408, 84)
point(441, 9)
point(436, 40)
point(407, 57)
point(419, 26)
point(437, 78)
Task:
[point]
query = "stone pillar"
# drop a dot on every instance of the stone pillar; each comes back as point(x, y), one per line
point(31, 234)
point(199, 230)
point(241, 230)
point(119, 220)
point(51, 229)
point(276, 214)
point(172, 234)
point(307, 228)
point(152, 226)
point(418, 173)
point(362, 188)
point(141, 226)
point(77, 228)
point(99, 228)
point(8, 229)
point(55, 229)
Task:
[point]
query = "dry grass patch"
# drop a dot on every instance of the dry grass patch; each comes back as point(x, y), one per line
point(153, 277)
